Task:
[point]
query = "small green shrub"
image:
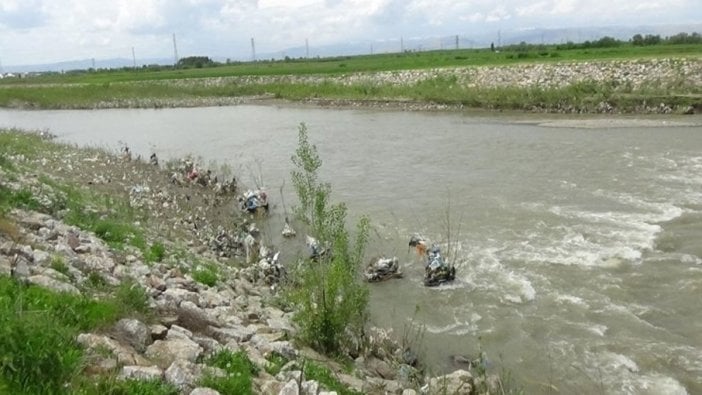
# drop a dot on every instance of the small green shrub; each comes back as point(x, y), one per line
point(330, 299)
point(58, 264)
point(275, 363)
point(96, 281)
point(206, 274)
point(155, 253)
point(111, 231)
point(239, 369)
point(324, 376)
point(132, 297)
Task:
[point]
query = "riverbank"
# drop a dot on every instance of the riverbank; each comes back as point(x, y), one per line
point(141, 278)
point(641, 86)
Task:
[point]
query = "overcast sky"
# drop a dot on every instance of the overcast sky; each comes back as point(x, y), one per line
point(43, 31)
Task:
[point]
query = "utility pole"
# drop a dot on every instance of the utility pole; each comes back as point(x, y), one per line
point(456, 41)
point(402, 44)
point(175, 51)
point(93, 63)
point(133, 58)
point(307, 49)
point(253, 50)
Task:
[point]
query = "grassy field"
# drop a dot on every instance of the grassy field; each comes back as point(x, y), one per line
point(194, 86)
point(378, 62)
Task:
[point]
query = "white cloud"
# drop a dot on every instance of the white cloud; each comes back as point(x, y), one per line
point(498, 14)
point(49, 30)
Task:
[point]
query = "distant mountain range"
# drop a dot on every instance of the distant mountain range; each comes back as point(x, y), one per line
point(483, 40)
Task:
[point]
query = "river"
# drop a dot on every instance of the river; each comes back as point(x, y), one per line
point(577, 240)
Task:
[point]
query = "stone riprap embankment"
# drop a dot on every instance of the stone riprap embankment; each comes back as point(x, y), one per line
point(660, 85)
point(189, 320)
point(635, 74)
point(633, 86)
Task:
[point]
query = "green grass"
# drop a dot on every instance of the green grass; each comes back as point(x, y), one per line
point(155, 253)
point(97, 82)
point(275, 363)
point(29, 145)
point(324, 376)
point(131, 297)
point(58, 264)
point(17, 199)
point(440, 90)
point(144, 88)
point(96, 282)
point(110, 218)
point(206, 274)
point(38, 328)
point(239, 370)
point(114, 386)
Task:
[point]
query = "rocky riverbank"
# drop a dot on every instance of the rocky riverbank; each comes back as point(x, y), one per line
point(191, 316)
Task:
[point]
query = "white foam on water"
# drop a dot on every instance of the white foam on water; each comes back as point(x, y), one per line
point(632, 312)
point(566, 245)
point(482, 267)
point(619, 374)
point(519, 288)
point(652, 211)
point(458, 327)
point(656, 384)
point(572, 300)
point(599, 330)
point(690, 259)
point(618, 362)
point(597, 238)
point(682, 180)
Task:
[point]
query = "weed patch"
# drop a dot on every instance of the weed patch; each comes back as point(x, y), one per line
point(239, 371)
point(37, 335)
point(206, 274)
point(58, 264)
point(155, 253)
point(113, 386)
point(275, 363)
point(132, 297)
point(324, 376)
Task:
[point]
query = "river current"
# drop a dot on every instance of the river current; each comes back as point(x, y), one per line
point(577, 241)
